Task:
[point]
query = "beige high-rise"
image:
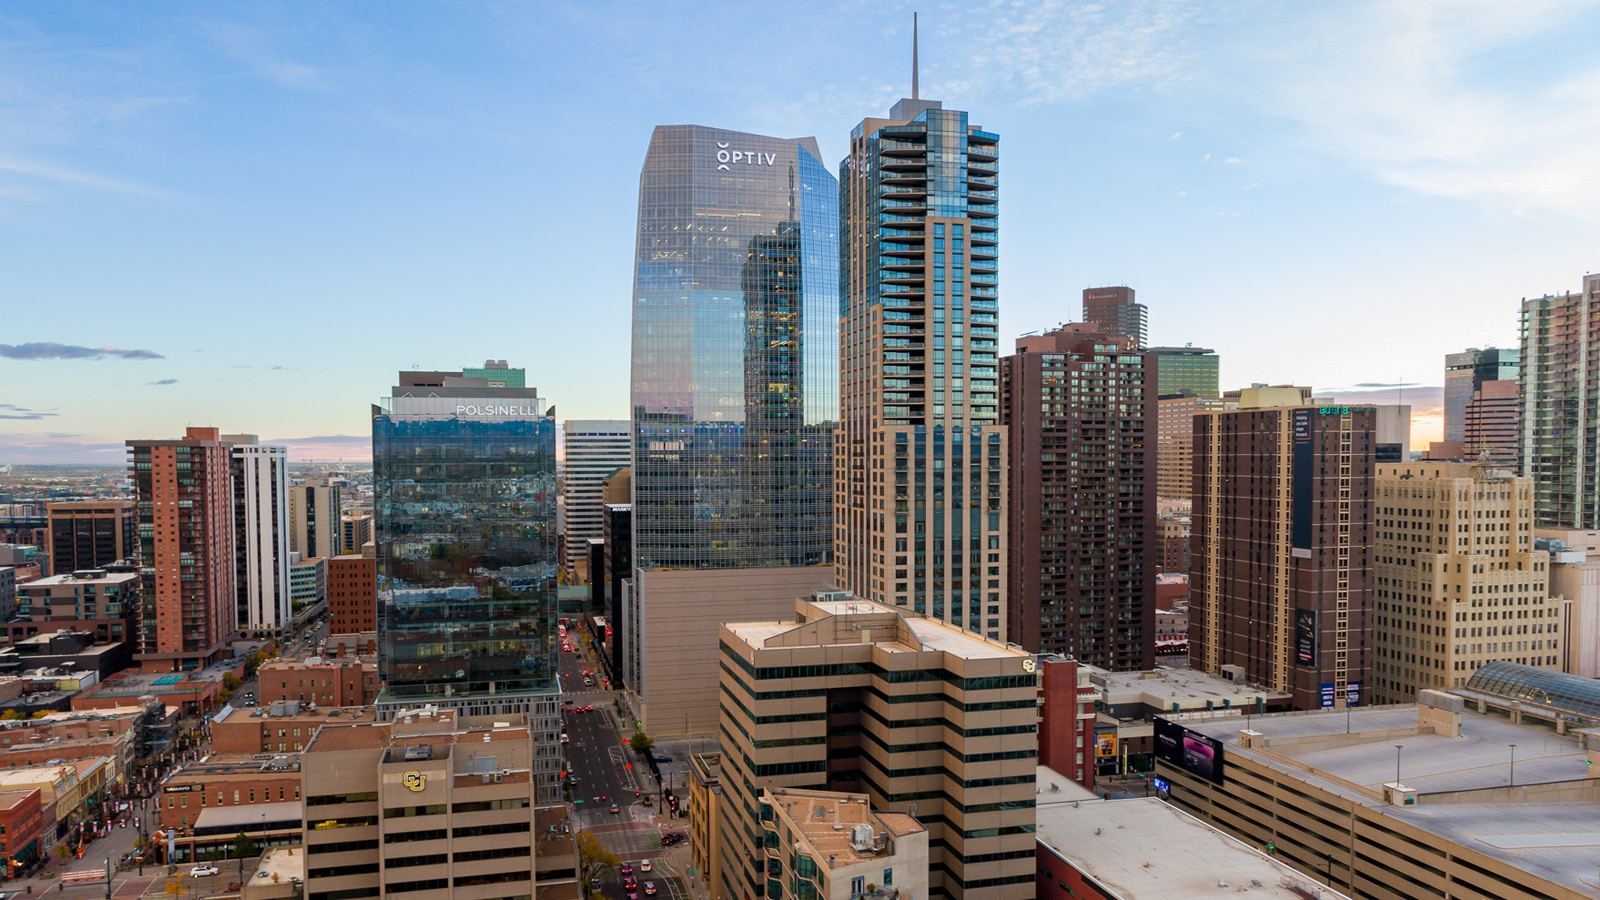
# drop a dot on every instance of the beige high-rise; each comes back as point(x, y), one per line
point(1459, 583)
point(921, 717)
point(919, 481)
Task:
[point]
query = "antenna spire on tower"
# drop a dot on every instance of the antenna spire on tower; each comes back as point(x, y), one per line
point(913, 56)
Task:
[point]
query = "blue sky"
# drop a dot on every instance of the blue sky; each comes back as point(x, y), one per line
point(272, 208)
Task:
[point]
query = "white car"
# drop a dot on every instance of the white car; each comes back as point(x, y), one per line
point(202, 871)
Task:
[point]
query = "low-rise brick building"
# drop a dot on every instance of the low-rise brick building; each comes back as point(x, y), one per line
point(228, 780)
point(282, 727)
point(323, 682)
point(21, 829)
point(352, 594)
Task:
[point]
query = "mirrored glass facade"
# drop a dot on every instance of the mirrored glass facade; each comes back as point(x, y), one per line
point(735, 351)
point(464, 479)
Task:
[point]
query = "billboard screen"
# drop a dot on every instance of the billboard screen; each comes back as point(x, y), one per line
point(1305, 637)
point(1301, 485)
point(1189, 750)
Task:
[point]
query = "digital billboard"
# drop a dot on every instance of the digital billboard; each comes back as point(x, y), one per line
point(1305, 637)
point(1189, 750)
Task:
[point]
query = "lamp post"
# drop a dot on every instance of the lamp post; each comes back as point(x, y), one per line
point(1397, 749)
point(1513, 764)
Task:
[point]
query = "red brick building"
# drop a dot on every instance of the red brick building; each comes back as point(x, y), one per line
point(243, 732)
point(226, 780)
point(1066, 719)
point(185, 496)
point(352, 594)
point(328, 684)
point(21, 829)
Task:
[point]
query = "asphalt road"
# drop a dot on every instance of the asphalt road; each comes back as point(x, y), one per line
point(598, 761)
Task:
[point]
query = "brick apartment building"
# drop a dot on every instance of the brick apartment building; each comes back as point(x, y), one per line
point(352, 594)
point(326, 683)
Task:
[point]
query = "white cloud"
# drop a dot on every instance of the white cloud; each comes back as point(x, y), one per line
point(1054, 51)
point(1232, 161)
point(1399, 88)
point(53, 172)
point(1207, 156)
point(1175, 135)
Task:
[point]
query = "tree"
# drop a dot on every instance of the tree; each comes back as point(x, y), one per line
point(244, 846)
point(231, 681)
point(10, 715)
point(594, 860)
point(641, 743)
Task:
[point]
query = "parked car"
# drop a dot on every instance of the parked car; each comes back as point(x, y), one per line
point(663, 759)
point(202, 870)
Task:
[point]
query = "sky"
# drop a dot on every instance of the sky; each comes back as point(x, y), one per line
point(252, 215)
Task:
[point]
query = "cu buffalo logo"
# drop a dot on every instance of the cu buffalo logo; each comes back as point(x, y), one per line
point(416, 781)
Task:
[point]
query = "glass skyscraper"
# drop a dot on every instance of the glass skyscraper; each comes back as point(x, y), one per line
point(464, 483)
point(1466, 372)
point(735, 351)
point(735, 397)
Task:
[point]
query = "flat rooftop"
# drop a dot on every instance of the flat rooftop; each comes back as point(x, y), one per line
point(333, 738)
point(825, 818)
point(284, 862)
point(1554, 840)
point(931, 634)
point(1146, 849)
point(1168, 685)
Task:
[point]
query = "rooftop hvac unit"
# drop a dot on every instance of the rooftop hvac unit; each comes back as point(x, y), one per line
point(861, 837)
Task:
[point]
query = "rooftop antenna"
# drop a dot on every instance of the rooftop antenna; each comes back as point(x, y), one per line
point(913, 56)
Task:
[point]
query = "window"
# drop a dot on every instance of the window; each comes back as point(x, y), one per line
point(858, 885)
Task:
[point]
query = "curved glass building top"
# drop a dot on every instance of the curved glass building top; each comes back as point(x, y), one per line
point(464, 485)
point(1571, 694)
point(735, 351)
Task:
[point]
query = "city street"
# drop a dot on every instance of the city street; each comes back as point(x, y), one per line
point(598, 760)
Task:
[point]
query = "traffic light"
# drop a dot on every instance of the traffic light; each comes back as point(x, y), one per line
point(629, 767)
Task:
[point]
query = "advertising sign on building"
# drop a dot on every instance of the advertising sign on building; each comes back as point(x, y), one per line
point(1305, 637)
point(1105, 745)
point(1327, 695)
point(1189, 750)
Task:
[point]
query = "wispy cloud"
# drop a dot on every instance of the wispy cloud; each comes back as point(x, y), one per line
point(163, 381)
point(1054, 51)
point(1232, 161)
point(12, 411)
point(1175, 135)
point(255, 48)
point(59, 173)
point(1416, 92)
point(52, 350)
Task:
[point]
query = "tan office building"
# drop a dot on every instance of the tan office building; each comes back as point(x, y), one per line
point(705, 818)
point(920, 716)
point(1575, 578)
point(833, 846)
point(1458, 582)
point(431, 805)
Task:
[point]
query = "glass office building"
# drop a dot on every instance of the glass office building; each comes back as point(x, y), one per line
point(735, 352)
point(1466, 372)
point(1187, 370)
point(464, 483)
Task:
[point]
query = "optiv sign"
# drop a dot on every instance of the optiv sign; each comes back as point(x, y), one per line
point(726, 157)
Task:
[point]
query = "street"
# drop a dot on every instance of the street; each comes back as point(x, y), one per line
point(598, 761)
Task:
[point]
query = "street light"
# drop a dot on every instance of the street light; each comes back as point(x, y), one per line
point(1397, 749)
point(1513, 764)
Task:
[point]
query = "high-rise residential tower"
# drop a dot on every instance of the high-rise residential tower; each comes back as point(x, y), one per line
point(184, 491)
point(1281, 564)
point(89, 534)
point(735, 377)
point(1175, 441)
point(1079, 407)
point(316, 519)
point(595, 448)
point(1114, 310)
point(1450, 599)
point(260, 533)
point(1192, 370)
point(1465, 373)
point(464, 493)
point(1560, 445)
point(919, 473)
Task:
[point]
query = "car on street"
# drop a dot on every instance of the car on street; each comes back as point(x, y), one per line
point(672, 837)
point(649, 888)
point(202, 871)
point(663, 759)
point(627, 870)
point(614, 808)
point(644, 867)
point(633, 895)
point(629, 884)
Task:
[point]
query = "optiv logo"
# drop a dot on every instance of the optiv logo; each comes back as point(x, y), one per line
point(726, 156)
